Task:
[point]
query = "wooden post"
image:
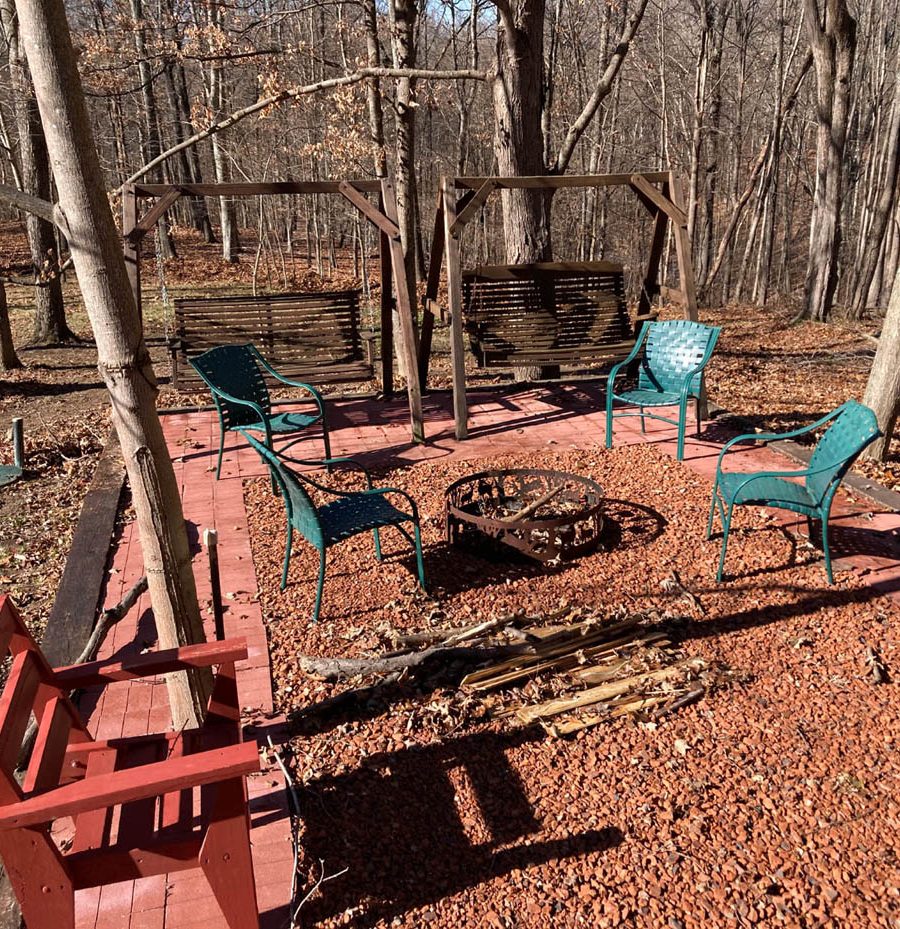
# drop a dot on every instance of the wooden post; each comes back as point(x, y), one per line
point(650, 285)
point(211, 541)
point(131, 245)
point(18, 443)
point(409, 342)
point(683, 252)
point(387, 316)
point(454, 293)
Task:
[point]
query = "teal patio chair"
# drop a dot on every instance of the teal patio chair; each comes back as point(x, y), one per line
point(235, 375)
point(670, 373)
point(351, 513)
point(853, 427)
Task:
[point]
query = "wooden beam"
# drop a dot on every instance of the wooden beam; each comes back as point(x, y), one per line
point(366, 185)
point(455, 299)
point(154, 214)
point(554, 182)
point(409, 342)
point(683, 252)
point(387, 316)
point(472, 207)
point(528, 271)
point(673, 210)
point(436, 259)
point(368, 210)
point(131, 248)
point(77, 600)
point(650, 285)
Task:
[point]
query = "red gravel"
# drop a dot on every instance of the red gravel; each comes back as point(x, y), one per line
point(773, 801)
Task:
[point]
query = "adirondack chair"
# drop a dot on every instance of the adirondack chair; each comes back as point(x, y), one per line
point(141, 806)
point(853, 427)
point(235, 374)
point(348, 515)
point(675, 353)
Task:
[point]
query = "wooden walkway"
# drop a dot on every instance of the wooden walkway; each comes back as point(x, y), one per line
point(376, 433)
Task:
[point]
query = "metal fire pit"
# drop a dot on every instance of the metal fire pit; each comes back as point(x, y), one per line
point(567, 524)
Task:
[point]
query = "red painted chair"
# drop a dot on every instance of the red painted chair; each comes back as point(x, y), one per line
point(141, 806)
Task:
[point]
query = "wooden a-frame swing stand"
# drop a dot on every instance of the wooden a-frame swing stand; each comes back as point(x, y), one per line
point(394, 285)
point(461, 198)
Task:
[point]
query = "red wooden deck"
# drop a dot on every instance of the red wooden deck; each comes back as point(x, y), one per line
point(375, 433)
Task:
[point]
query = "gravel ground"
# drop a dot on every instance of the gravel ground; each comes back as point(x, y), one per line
point(773, 801)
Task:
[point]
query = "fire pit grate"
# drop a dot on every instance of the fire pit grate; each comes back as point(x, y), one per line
point(544, 515)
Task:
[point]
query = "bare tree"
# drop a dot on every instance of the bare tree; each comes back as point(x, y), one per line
point(883, 387)
point(84, 215)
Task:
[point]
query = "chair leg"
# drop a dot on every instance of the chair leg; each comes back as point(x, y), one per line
point(287, 554)
point(320, 584)
point(38, 877)
point(698, 416)
point(221, 452)
point(609, 419)
point(417, 535)
point(682, 416)
point(377, 537)
point(226, 859)
point(825, 548)
point(326, 439)
point(643, 422)
point(726, 527)
point(712, 510)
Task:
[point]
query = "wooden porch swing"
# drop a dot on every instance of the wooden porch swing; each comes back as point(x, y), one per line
point(548, 314)
point(312, 336)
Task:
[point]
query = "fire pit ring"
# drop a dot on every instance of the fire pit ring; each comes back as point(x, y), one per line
point(561, 513)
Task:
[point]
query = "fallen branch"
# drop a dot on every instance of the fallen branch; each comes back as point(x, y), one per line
point(876, 665)
point(534, 506)
point(342, 669)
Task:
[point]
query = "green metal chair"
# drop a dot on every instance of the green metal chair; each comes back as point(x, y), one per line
point(671, 372)
point(235, 374)
point(853, 427)
point(351, 513)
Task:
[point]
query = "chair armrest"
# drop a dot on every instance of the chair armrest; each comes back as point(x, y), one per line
point(396, 490)
point(151, 664)
point(635, 351)
point(140, 783)
point(776, 436)
point(286, 380)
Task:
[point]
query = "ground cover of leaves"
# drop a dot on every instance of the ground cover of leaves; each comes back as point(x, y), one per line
point(773, 801)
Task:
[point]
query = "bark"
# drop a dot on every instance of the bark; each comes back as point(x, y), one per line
point(833, 43)
point(883, 387)
point(404, 15)
point(373, 91)
point(875, 240)
point(124, 361)
point(50, 326)
point(8, 357)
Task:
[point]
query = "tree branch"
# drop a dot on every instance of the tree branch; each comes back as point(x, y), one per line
point(293, 93)
point(601, 91)
point(43, 209)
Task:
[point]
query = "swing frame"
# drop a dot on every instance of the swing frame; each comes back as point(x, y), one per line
point(461, 198)
point(394, 284)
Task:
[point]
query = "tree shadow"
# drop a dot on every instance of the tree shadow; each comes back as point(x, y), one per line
point(418, 825)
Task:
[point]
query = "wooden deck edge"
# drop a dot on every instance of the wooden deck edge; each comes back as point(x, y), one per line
point(71, 620)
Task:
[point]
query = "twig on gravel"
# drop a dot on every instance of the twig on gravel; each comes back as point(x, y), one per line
point(295, 808)
point(692, 696)
point(672, 584)
point(323, 878)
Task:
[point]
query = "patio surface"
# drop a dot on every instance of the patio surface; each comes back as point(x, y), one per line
point(377, 434)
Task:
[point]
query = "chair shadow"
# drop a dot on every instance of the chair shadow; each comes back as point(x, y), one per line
point(407, 837)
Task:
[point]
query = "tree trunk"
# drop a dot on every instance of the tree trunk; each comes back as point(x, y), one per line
point(8, 357)
point(124, 361)
point(50, 326)
point(518, 91)
point(883, 387)
point(833, 44)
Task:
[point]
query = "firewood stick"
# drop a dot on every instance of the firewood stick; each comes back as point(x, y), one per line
point(534, 505)
point(602, 692)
